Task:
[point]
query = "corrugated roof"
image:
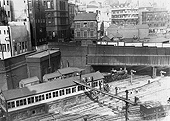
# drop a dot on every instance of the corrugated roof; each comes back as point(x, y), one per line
point(85, 17)
point(45, 87)
point(28, 80)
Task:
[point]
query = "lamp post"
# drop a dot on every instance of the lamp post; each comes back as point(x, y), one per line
point(131, 75)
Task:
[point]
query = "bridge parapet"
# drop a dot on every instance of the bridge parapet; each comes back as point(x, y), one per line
point(110, 55)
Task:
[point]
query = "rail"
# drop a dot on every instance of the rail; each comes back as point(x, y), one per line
point(106, 93)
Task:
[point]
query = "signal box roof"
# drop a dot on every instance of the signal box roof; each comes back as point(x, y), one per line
point(29, 80)
point(45, 87)
point(52, 75)
point(69, 70)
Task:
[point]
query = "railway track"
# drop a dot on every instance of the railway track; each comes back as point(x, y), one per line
point(81, 111)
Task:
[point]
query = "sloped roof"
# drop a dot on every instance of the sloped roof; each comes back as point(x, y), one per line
point(45, 87)
point(105, 38)
point(69, 70)
point(85, 17)
point(52, 75)
point(28, 80)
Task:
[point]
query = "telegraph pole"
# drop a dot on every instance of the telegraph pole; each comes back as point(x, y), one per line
point(127, 106)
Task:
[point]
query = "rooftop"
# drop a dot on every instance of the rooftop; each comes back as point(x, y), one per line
point(151, 104)
point(28, 80)
point(52, 75)
point(69, 70)
point(85, 17)
point(45, 87)
point(42, 54)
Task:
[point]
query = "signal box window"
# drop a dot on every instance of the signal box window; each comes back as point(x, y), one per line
point(30, 100)
point(11, 104)
point(55, 94)
point(68, 91)
point(61, 92)
point(48, 95)
point(73, 89)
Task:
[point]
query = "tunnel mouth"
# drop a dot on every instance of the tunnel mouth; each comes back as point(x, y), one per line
point(140, 69)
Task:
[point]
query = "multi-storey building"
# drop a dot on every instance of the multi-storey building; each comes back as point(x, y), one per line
point(5, 48)
point(6, 5)
point(73, 10)
point(124, 14)
point(103, 13)
point(37, 22)
point(85, 27)
point(156, 18)
point(57, 20)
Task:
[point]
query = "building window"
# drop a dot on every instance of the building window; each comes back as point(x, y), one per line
point(68, 91)
point(91, 33)
point(39, 98)
point(91, 25)
point(8, 13)
point(44, 4)
point(85, 25)
point(30, 100)
point(7, 2)
point(78, 34)
point(85, 34)
point(3, 48)
point(78, 25)
point(55, 94)
point(8, 47)
point(61, 92)
point(4, 31)
point(62, 5)
point(48, 5)
point(48, 95)
point(81, 88)
point(11, 104)
point(73, 89)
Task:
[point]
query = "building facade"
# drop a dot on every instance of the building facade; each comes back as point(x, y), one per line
point(129, 31)
point(103, 12)
point(124, 14)
point(14, 39)
point(43, 62)
point(57, 20)
point(5, 47)
point(73, 10)
point(19, 38)
point(85, 27)
point(157, 20)
point(37, 19)
point(6, 5)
